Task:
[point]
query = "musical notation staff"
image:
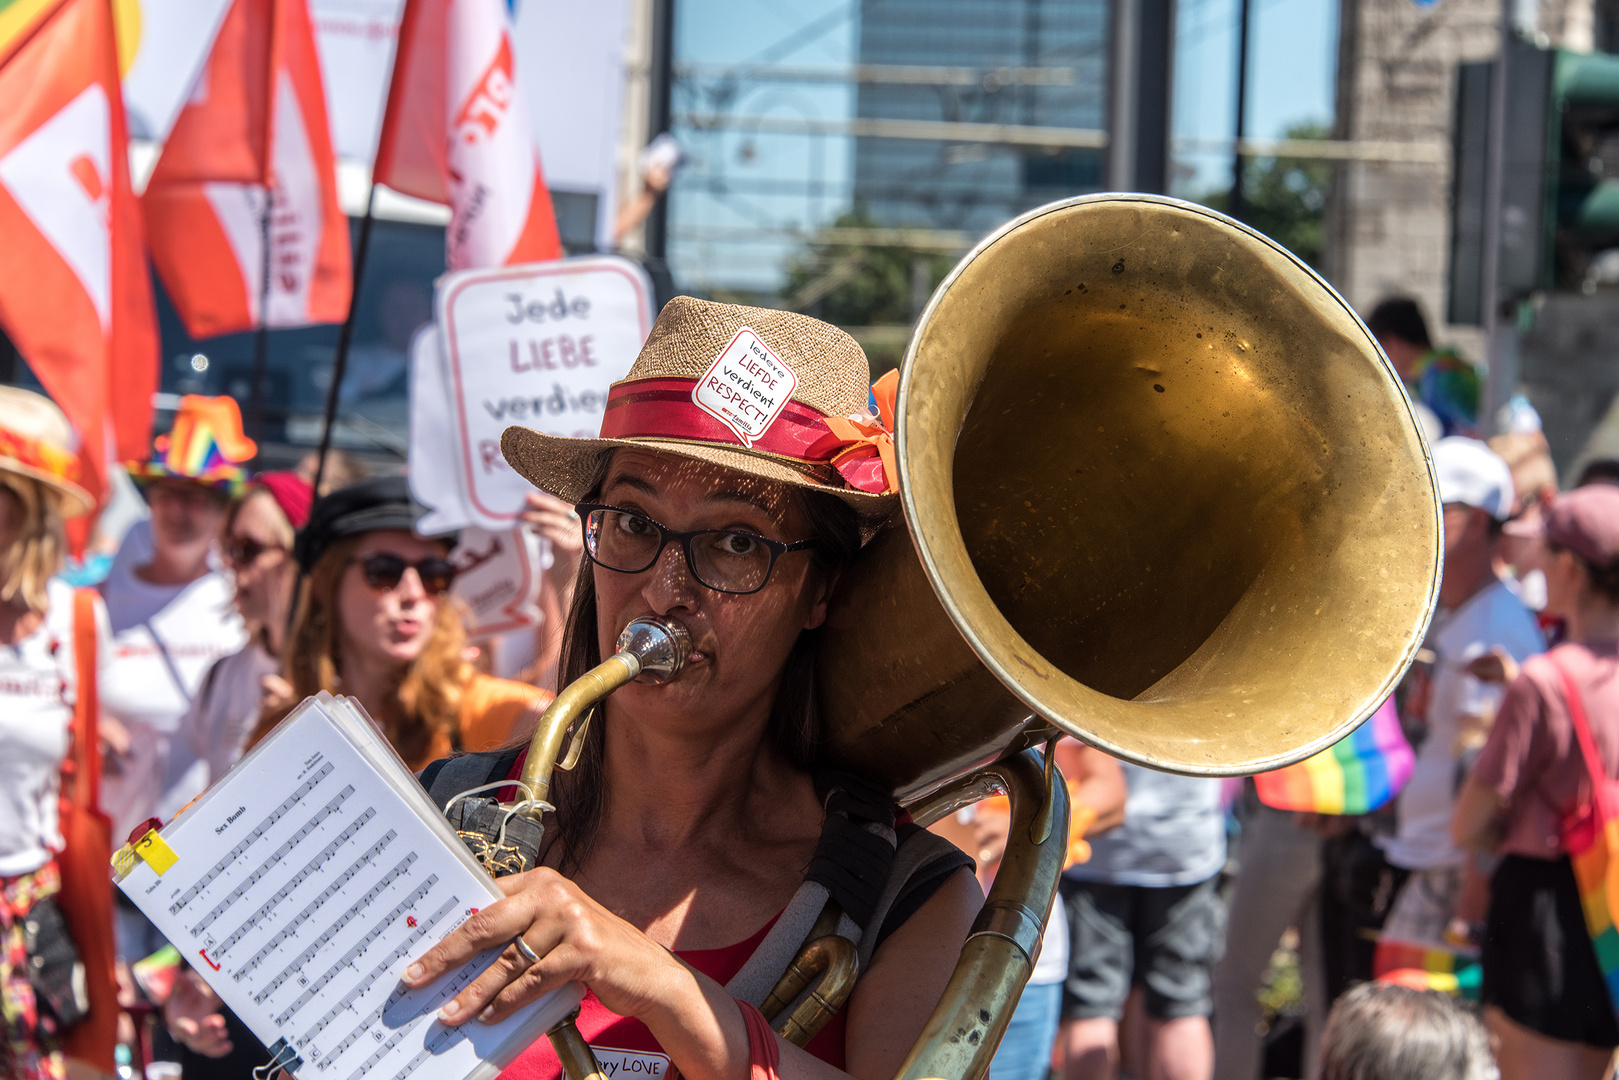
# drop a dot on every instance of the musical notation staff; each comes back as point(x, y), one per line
point(252, 838)
point(303, 883)
point(358, 950)
point(423, 1008)
point(318, 902)
point(311, 867)
point(345, 1004)
point(276, 856)
point(383, 1051)
point(437, 1043)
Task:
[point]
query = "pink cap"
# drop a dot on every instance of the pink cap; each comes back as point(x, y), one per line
point(294, 494)
point(1586, 522)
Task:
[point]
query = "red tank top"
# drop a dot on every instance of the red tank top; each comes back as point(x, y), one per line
point(627, 1050)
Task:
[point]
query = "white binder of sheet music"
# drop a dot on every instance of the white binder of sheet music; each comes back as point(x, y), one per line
point(304, 883)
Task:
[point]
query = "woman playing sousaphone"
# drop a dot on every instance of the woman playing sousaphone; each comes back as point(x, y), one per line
point(687, 825)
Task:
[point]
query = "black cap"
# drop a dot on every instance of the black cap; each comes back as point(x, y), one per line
point(374, 505)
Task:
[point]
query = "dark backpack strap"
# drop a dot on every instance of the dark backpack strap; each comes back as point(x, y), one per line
point(448, 777)
point(942, 860)
point(856, 851)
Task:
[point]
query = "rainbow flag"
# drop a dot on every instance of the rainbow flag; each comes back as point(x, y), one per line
point(1355, 775)
point(1596, 874)
point(1461, 980)
point(1592, 843)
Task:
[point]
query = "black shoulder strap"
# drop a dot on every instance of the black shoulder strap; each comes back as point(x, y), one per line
point(856, 851)
point(448, 777)
point(940, 860)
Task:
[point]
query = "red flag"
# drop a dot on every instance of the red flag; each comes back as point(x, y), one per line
point(74, 295)
point(456, 131)
point(255, 124)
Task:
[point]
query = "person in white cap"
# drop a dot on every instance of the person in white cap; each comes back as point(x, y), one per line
point(1478, 613)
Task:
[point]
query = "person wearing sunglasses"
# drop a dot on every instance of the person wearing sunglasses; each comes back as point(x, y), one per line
point(374, 621)
point(256, 546)
point(695, 827)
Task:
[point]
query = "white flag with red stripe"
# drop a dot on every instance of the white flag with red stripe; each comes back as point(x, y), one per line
point(74, 293)
point(456, 132)
point(254, 129)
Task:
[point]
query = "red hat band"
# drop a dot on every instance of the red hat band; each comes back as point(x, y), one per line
point(859, 448)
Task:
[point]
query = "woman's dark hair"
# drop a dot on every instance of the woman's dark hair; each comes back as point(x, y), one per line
point(795, 718)
point(1399, 316)
point(1599, 471)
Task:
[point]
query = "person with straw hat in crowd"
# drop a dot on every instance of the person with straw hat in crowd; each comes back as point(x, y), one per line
point(171, 619)
point(39, 489)
point(686, 826)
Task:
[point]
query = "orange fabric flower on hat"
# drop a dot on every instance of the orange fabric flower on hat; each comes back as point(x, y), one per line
point(866, 459)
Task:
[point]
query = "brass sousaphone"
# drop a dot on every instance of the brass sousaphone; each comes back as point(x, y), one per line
point(1162, 492)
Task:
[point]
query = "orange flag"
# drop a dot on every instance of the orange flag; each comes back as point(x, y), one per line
point(255, 127)
point(456, 131)
point(74, 293)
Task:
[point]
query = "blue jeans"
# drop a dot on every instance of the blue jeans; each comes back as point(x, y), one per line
point(1025, 1052)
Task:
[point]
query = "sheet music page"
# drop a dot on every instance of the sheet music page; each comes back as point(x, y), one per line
point(305, 882)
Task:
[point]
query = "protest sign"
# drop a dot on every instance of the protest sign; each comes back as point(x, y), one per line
point(534, 345)
point(430, 458)
point(498, 573)
point(498, 579)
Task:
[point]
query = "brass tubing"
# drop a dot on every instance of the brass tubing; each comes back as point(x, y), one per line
point(573, 703)
point(831, 956)
point(961, 1036)
point(578, 1060)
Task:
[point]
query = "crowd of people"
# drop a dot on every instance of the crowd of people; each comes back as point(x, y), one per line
point(1441, 935)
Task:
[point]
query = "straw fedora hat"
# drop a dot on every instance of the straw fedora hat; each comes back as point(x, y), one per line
point(774, 394)
point(37, 441)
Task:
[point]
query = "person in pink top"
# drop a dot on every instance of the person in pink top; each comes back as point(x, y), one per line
point(1545, 998)
point(697, 812)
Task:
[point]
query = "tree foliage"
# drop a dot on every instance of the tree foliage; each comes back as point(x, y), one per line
point(1286, 198)
point(853, 284)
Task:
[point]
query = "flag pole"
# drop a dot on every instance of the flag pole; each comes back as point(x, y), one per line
point(345, 336)
point(261, 333)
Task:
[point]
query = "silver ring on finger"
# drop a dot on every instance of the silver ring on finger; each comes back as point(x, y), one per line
point(573, 515)
point(528, 953)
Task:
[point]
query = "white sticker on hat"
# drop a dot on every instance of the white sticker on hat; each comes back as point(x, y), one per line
point(746, 387)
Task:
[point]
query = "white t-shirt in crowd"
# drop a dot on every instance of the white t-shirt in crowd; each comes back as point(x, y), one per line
point(1051, 966)
point(165, 638)
point(38, 686)
point(1492, 616)
point(226, 708)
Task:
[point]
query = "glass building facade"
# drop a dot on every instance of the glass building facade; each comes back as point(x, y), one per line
point(841, 155)
point(1025, 65)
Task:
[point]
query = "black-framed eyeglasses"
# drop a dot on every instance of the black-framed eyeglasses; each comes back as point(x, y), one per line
point(384, 570)
point(724, 560)
point(243, 551)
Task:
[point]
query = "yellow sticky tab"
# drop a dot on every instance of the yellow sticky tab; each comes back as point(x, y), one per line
point(157, 852)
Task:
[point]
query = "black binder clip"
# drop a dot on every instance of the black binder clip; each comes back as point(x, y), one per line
point(282, 1059)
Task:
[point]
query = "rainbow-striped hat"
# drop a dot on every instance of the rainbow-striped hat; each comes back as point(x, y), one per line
point(206, 444)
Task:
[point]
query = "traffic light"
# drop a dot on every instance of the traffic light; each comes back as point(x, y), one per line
point(1560, 173)
point(1583, 130)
